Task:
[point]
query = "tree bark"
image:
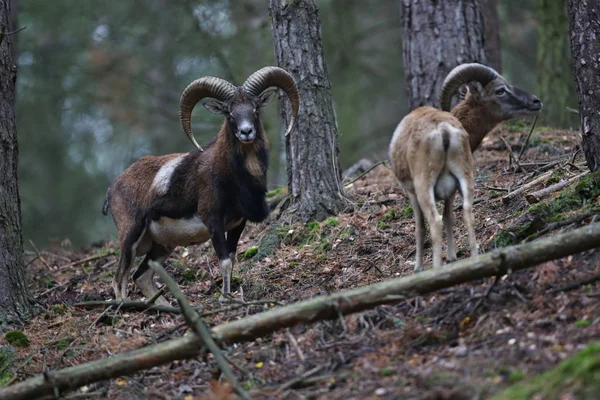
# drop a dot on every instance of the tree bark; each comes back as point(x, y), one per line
point(314, 178)
point(496, 263)
point(584, 24)
point(491, 33)
point(438, 36)
point(15, 303)
point(554, 73)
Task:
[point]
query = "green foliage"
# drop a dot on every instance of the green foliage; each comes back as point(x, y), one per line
point(406, 212)
point(578, 375)
point(556, 176)
point(236, 281)
point(332, 222)
point(387, 371)
point(60, 309)
point(248, 254)
point(582, 323)
point(178, 264)
point(7, 358)
point(383, 225)
point(538, 215)
point(188, 275)
point(389, 216)
point(17, 338)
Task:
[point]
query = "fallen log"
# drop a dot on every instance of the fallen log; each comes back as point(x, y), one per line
point(535, 197)
point(495, 263)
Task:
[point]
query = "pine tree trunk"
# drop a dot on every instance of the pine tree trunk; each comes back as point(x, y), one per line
point(438, 36)
point(312, 148)
point(555, 76)
point(584, 22)
point(14, 296)
point(491, 33)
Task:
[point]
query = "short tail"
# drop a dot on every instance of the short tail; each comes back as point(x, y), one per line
point(105, 207)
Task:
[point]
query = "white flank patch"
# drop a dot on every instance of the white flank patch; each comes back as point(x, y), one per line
point(179, 232)
point(162, 179)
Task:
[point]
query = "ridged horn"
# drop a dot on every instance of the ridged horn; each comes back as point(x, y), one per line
point(199, 89)
point(267, 77)
point(462, 74)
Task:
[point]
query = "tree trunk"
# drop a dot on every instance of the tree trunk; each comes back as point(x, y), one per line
point(555, 76)
point(491, 33)
point(438, 36)
point(14, 296)
point(314, 178)
point(584, 22)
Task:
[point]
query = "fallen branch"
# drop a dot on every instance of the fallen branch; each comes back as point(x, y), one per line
point(576, 284)
point(535, 197)
point(508, 198)
point(199, 327)
point(129, 305)
point(494, 263)
point(87, 259)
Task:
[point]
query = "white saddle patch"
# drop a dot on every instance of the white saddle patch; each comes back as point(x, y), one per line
point(162, 180)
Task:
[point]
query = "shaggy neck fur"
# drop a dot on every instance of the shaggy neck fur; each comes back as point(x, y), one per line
point(248, 164)
point(476, 120)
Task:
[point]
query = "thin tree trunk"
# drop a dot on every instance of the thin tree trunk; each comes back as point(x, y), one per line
point(15, 303)
point(314, 178)
point(496, 263)
point(491, 33)
point(555, 76)
point(584, 23)
point(438, 36)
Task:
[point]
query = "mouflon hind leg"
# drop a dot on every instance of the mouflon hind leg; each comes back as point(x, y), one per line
point(143, 275)
point(128, 251)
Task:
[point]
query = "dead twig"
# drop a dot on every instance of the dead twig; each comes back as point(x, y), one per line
point(199, 327)
point(364, 173)
point(299, 379)
point(294, 344)
point(129, 305)
point(39, 255)
point(512, 156)
point(527, 139)
point(487, 293)
point(576, 284)
point(87, 259)
point(4, 34)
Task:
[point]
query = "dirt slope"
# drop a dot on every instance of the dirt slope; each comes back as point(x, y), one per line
point(432, 347)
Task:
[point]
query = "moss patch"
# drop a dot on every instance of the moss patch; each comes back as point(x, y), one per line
point(574, 197)
point(17, 338)
point(578, 376)
point(7, 358)
point(389, 216)
point(248, 254)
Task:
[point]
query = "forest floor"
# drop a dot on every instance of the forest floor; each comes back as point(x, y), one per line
point(452, 344)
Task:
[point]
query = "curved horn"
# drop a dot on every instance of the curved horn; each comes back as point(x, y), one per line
point(208, 86)
point(266, 77)
point(462, 74)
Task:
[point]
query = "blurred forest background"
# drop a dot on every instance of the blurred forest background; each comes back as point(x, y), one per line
point(99, 86)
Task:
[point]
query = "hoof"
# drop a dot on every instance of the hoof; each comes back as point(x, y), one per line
point(161, 301)
point(225, 298)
